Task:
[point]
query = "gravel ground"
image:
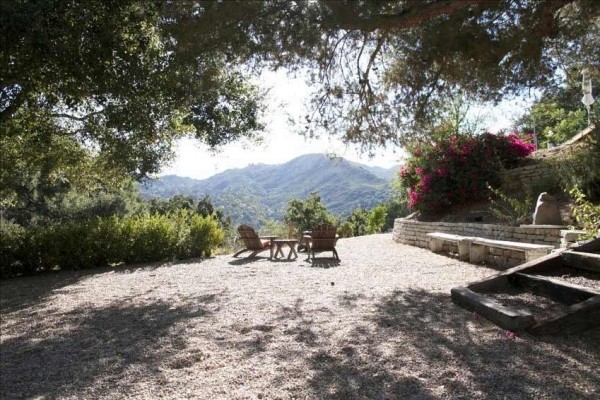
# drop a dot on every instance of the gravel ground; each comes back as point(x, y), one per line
point(379, 324)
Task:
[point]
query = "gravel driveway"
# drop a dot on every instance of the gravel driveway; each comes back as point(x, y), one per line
point(380, 324)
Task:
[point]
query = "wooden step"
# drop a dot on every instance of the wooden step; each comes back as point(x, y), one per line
point(562, 292)
point(577, 318)
point(584, 261)
point(505, 317)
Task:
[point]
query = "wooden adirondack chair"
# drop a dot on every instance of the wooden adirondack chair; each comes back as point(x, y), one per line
point(323, 238)
point(253, 242)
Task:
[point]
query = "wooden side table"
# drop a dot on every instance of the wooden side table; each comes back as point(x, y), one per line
point(291, 243)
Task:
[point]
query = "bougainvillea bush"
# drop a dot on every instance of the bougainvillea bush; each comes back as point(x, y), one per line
point(458, 168)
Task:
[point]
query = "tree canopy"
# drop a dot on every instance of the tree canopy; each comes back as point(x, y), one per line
point(94, 92)
point(305, 214)
point(123, 79)
point(109, 75)
point(557, 115)
point(382, 70)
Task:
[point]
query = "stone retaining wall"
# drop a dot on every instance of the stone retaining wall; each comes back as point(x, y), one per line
point(519, 178)
point(571, 237)
point(414, 233)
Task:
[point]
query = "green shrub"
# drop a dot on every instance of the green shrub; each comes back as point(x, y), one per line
point(397, 208)
point(12, 238)
point(359, 220)
point(585, 213)
point(150, 238)
point(377, 218)
point(581, 168)
point(205, 235)
point(511, 210)
point(305, 214)
point(105, 241)
point(346, 230)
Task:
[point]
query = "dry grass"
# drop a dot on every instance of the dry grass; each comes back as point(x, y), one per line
point(380, 324)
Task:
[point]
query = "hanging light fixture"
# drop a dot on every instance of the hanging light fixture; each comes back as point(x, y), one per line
point(586, 87)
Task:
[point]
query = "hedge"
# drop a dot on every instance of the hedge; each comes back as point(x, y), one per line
point(106, 241)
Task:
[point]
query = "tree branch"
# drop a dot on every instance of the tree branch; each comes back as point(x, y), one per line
point(380, 41)
point(13, 106)
point(414, 15)
point(69, 116)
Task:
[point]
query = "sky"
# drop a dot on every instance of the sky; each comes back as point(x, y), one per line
point(287, 98)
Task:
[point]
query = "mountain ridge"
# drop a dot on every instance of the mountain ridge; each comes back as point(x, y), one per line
point(262, 191)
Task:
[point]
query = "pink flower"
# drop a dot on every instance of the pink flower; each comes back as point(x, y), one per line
point(419, 171)
point(404, 171)
point(413, 198)
point(442, 171)
point(427, 179)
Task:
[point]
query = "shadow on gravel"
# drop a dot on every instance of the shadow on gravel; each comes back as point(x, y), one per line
point(433, 337)
point(22, 292)
point(349, 376)
point(324, 262)
point(283, 260)
point(419, 345)
point(247, 260)
point(411, 344)
point(120, 343)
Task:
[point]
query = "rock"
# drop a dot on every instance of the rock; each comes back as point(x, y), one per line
point(546, 211)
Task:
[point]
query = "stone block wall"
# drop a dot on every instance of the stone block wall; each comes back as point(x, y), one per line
point(414, 233)
point(519, 178)
point(571, 237)
point(505, 258)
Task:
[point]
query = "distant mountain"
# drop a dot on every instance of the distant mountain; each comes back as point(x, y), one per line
point(262, 191)
point(384, 173)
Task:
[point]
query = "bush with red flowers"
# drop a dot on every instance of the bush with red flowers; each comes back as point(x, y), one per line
point(457, 168)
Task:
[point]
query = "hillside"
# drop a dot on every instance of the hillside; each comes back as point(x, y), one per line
point(262, 191)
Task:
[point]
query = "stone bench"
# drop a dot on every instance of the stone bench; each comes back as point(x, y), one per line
point(437, 239)
point(479, 248)
point(475, 249)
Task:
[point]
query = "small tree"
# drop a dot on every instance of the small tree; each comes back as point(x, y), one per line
point(304, 214)
point(345, 230)
point(174, 204)
point(205, 208)
point(359, 218)
point(397, 208)
point(377, 218)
